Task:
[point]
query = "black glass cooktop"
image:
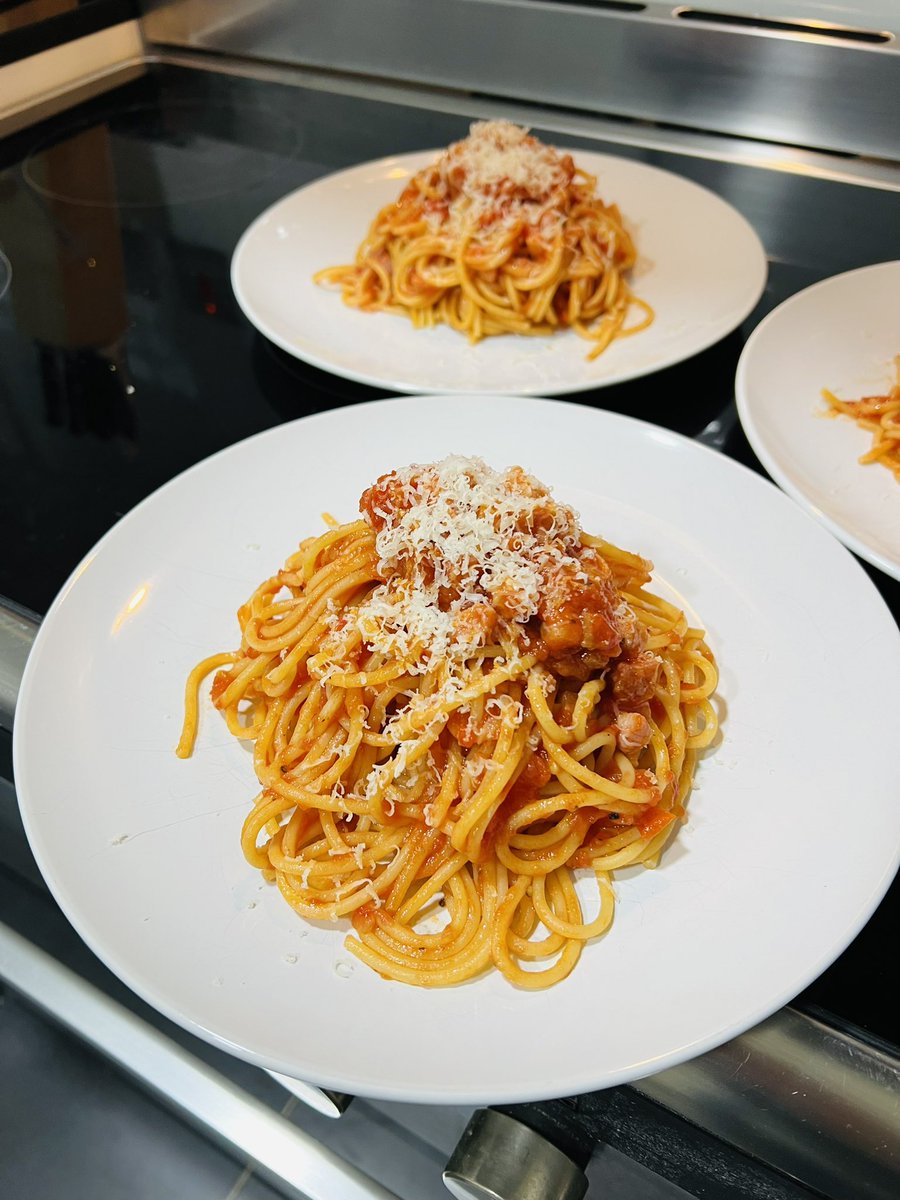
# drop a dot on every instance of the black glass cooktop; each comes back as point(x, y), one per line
point(124, 357)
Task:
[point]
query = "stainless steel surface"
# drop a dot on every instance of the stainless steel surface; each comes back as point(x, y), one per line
point(694, 144)
point(650, 136)
point(17, 632)
point(278, 1150)
point(499, 1158)
point(817, 1104)
point(647, 65)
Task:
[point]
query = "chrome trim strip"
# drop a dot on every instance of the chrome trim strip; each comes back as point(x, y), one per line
point(804, 1098)
point(18, 629)
point(280, 1151)
point(773, 24)
point(615, 131)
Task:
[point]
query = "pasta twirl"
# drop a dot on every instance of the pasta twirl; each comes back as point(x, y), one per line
point(456, 703)
point(502, 234)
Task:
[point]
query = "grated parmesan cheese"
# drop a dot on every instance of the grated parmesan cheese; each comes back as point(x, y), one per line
point(500, 174)
point(455, 535)
point(499, 151)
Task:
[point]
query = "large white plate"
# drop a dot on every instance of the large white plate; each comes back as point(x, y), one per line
point(701, 266)
point(775, 871)
point(842, 334)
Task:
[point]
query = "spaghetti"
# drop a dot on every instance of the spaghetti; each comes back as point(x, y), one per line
point(456, 704)
point(502, 234)
point(880, 415)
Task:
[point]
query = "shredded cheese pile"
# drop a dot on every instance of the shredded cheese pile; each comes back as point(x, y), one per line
point(453, 537)
point(500, 174)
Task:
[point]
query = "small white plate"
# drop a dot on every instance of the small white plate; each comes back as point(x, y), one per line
point(841, 334)
point(701, 266)
point(768, 881)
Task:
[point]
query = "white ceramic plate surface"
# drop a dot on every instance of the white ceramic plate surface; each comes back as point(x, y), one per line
point(842, 334)
point(701, 266)
point(768, 881)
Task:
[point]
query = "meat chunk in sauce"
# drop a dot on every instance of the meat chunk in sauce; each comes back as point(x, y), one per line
point(475, 623)
point(381, 502)
point(634, 677)
point(578, 607)
point(633, 732)
point(560, 599)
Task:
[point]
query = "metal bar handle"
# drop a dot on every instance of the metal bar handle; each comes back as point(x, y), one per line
point(280, 1152)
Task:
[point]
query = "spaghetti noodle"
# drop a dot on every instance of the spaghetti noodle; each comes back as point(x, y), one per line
point(457, 703)
point(502, 234)
point(880, 415)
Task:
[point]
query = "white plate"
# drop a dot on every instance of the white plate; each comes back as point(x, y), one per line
point(841, 334)
point(771, 877)
point(701, 266)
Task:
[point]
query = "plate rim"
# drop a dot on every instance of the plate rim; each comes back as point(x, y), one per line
point(382, 1088)
point(758, 442)
point(537, 390)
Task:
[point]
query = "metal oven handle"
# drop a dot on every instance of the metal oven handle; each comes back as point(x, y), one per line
point(280, 1151)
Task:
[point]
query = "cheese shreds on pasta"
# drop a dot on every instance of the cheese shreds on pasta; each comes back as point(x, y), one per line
point(456, 703)
point(499, 173)
point(453, 536)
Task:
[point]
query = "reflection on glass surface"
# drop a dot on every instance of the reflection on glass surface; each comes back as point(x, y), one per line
point(171, 151)
point(5, 274)
point(68, 291)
